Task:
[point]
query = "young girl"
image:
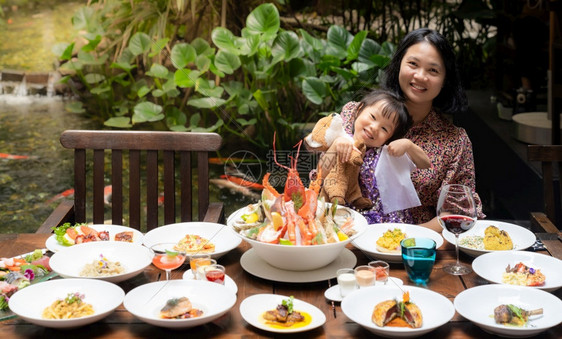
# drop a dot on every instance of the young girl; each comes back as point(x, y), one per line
point(380, 118)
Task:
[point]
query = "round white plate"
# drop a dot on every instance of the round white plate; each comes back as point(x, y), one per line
point(254, 306)
point(521, 237)
point(367, 242)
point(491, 266)
point(436, 309)
point(255, 265)
point(146, 301)
point(70, 261)
point(228, 282)
point(333, 293)
point(53, 245)
point(30, 302)
point(217, 234)
point(477, 304)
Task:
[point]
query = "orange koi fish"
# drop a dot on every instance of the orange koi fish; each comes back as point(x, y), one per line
point(242, 182)
point(13, 156)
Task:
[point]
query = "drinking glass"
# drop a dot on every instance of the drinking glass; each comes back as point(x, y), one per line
point(346, 281)
point(365, 275)
point(200, 267)
point(456, 212)
point(382, 270)
point(418, 256)
point(215, 273)
point(196, 258)
point(166, 257)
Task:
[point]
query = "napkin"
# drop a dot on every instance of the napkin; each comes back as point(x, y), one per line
point(396, 189)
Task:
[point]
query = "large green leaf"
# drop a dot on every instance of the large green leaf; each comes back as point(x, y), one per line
point(368, 48)
point(203, 63)
point(316, 44)
point(185, 77)
point(206, 102)
point(314, 89)
point(301, 68)
point(202, 47)
point(182, 55)
point(140, 43)
point(158, 71)
point(147, 111)
point(355, 46)
point(387, 49)
point(156, 47)
point(208, 88)
point(227, 62)
point(119, 122)
point(338, 40)
point(286, 47)
point(248, 45)
point(264, 20)
point(225, 40)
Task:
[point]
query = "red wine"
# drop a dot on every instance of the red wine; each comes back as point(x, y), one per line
point(457, 224)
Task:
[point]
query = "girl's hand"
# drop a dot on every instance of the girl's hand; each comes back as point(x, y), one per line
point(398, 147)
point(343, 147)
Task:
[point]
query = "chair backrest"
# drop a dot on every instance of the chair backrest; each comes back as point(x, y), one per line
point(174, 146)
point(550, 157)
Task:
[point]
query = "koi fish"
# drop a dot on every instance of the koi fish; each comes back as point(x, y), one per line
point(235, 188)
point(13, 156)
point(242, 182)
point(107, 192)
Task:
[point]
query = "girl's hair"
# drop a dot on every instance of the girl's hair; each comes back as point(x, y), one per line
point(393, 107)
point(452, 97)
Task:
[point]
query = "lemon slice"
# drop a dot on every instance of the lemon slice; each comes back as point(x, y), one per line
point(342, 236)
point(410, 242)
point(277, 220)
point(252, 218)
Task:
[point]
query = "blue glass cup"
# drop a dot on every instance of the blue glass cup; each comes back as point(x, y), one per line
point(418, 256)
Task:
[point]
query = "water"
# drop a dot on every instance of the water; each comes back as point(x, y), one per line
point(419, 261)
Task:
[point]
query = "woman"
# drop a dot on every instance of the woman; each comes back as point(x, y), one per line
point(423, 71)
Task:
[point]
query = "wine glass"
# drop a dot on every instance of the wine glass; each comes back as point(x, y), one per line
point(166, 257)
point(456, 212)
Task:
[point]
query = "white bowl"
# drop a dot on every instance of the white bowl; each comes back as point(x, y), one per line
point(367, 242)
point(477, 304)
point(30, 302)
point(521, 237)
point(300, 258)
point(491, 267)
point(436, 309)
point(217, 234)
point(146, 301)
point(70, 261)
point(254, 306)
point(52, 244)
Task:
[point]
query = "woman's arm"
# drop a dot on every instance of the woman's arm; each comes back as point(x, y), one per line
point(399, 147)
point(433, 224)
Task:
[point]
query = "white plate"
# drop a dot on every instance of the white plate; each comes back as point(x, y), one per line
point(70, 261)
point(30, 302)
point(521, 237)
point(228, 282)
point(367, 242)
point(477, 304)
point(333, 293)
point(217, 234)
point(254, 306)
point(255, 265)
point(491, 266)
point(146, 301)
point(301, 258)
point(436, 309)
point(53, 245)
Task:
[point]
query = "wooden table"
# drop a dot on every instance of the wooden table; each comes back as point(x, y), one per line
point(121, 324)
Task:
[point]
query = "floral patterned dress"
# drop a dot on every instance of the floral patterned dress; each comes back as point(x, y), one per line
point(450, 152)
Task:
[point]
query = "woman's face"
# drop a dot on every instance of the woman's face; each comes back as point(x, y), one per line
point(373, 127)
point(422, 73)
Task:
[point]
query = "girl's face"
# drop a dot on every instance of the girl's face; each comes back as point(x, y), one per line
point(372, 127)
point(422, 73)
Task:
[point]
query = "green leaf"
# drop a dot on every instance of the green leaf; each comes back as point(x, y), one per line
point(314, 89)
point(82, 18)
point(156, 47)
point(182, 55)
point(72, 65)
point(92, 44)
point(387, 49)
point(63, 50)
point(75, 107)
point(368, 48)
point(207, 88)
point(316, 44)
point(248, 45)
point(119, 122)
point(224, 40)
point(286, 46)
point(157, 93)
point(123, 65)
point(100, 89)
point(355, 46)
point(262, 101)
point(264, 19)
point(93, 78)
point(147, 111)
point(158, 71)
point(175, 117)
point(90, 59)
point(346, 74)
point(301, 68)
point(140, 43)
point(206, 102)
point(203, 63)
point(144, 90)
point(202, 47)
point(338, 40)
point(185, 78)
point(227, 62)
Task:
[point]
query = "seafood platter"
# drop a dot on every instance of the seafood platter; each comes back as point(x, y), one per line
point(68, 235)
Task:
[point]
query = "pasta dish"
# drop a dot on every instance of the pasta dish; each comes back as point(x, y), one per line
point(193, 243)
point(70, 307)
point(102, 268)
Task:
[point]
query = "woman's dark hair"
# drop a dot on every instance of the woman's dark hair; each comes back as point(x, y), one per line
point(452, 98)
point(393, 105)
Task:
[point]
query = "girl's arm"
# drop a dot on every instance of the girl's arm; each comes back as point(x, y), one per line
point(341, 148)
point(398, 147)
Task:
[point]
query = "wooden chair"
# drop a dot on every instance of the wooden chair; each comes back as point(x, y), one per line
point(133, 146)
point(550, 157)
